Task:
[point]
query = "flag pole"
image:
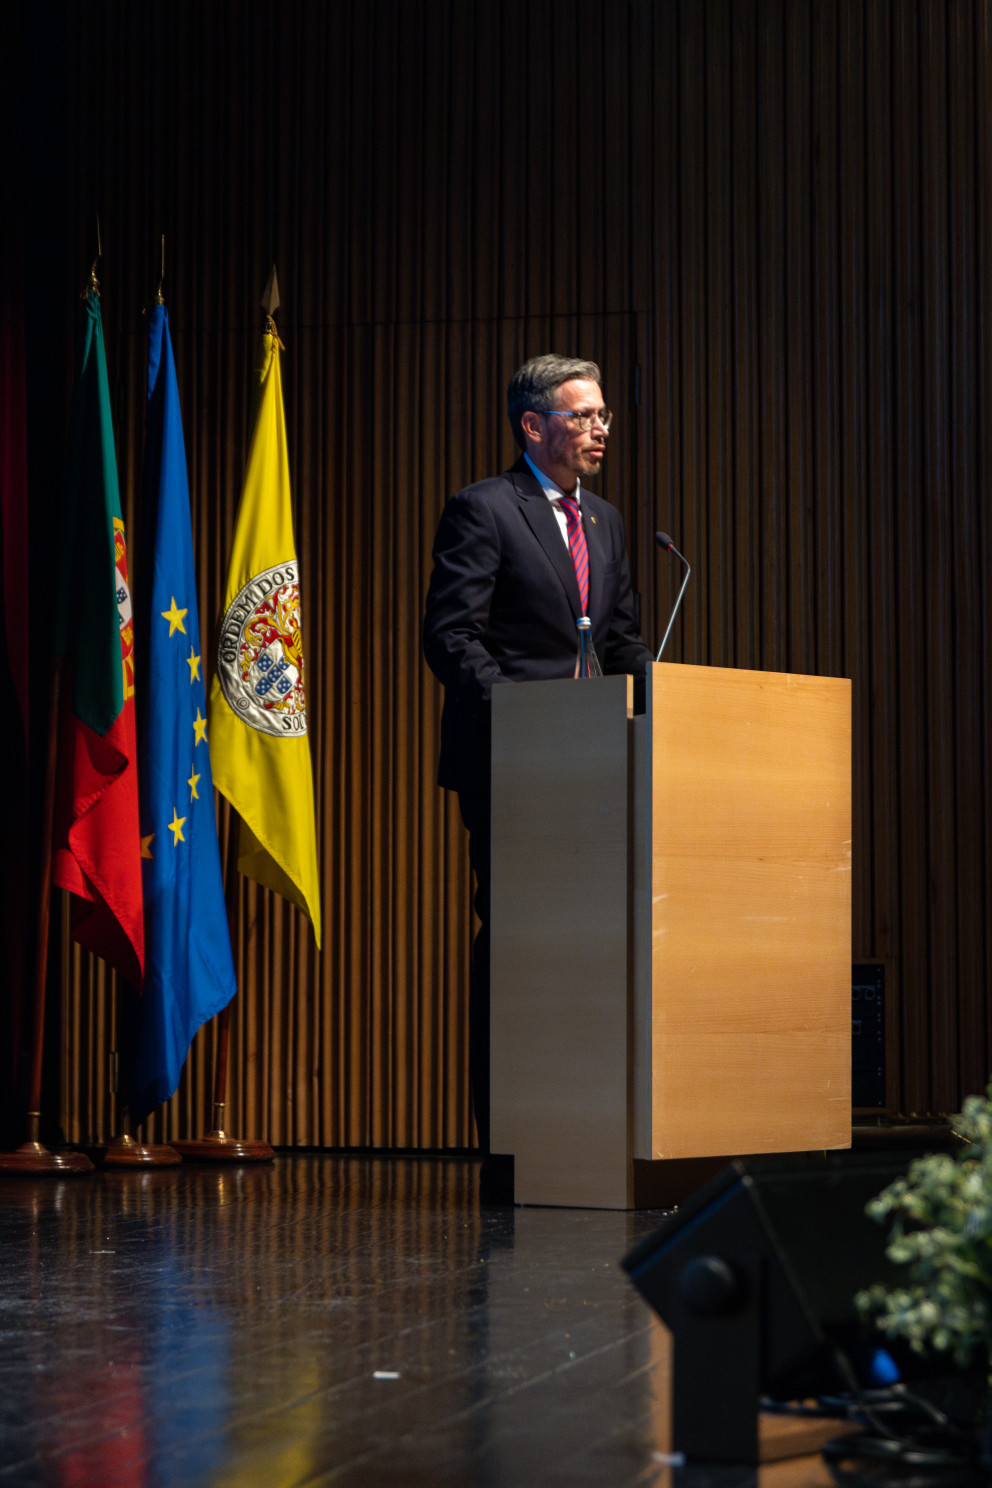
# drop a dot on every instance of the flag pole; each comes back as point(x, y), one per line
point(217, 1145)
point(157, 1029)
point(31, 1157)
point(123, 1151)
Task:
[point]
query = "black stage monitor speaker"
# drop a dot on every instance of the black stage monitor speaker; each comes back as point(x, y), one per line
point(755, 1275)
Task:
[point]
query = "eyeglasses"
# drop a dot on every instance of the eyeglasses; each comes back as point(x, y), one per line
point(583, 421)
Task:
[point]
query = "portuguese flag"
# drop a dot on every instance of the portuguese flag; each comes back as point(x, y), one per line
point(97, 846)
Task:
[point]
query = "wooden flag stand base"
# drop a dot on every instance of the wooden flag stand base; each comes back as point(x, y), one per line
point(125, 1152)
point(34, 1160)
point(217, 1146)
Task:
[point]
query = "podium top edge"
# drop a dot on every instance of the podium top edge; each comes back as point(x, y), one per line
point(681, 668)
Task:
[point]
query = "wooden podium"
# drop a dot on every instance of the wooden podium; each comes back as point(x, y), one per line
point(671, 929)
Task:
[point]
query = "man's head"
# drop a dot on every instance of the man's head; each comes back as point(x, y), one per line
point(548, 400)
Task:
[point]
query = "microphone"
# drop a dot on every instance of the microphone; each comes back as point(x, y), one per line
point(664, 541)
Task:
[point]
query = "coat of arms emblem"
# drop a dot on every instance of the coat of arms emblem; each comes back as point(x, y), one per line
point(260, 654)
point(124, 613)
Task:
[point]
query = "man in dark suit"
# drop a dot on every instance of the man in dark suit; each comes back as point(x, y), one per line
point(504, 599)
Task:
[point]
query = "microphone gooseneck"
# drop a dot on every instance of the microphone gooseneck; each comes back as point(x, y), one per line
point(664, 541)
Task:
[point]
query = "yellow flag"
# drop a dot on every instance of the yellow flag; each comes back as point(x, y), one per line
point(257, 710)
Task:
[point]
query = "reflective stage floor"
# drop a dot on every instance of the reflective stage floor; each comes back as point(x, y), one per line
point(319, 1320)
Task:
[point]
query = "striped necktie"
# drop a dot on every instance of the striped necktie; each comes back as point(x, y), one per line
point(577, 547)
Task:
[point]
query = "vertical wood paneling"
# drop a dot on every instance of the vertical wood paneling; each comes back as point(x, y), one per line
point(976, 31)
point(937, 619)
point(780, 213)
point(965, 606)
point(658, 285)
point(774, 486)
point(826, 653)
point(908, 537)
point(744, 372)
point(850, 558)
point(691, 226)
point(719, 554)
point(800, 350)
point(877, 845)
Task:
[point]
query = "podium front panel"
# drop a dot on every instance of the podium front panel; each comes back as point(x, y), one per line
point(750, 912)
point(560, 942)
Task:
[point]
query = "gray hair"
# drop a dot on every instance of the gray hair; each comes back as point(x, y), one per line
point(533, 386)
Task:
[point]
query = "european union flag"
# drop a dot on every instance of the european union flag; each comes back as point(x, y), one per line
point(189, 970)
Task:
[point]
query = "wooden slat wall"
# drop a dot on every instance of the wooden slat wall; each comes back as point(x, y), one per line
point(772, 220)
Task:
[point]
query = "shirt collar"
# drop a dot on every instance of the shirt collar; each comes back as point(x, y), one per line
point(551, 490)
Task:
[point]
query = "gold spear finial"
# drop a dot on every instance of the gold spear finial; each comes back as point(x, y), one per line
point(160, 297)
point(93, 283)
point(270, 304)
point(270, 294)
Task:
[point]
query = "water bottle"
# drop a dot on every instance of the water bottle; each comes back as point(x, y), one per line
point(586, 661)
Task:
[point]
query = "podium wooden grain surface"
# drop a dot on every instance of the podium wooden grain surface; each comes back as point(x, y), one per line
point(750, 894)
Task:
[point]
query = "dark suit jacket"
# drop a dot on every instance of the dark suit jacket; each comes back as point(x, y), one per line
point(503, 601)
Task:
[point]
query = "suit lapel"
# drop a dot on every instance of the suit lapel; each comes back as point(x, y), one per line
point(543, 522)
